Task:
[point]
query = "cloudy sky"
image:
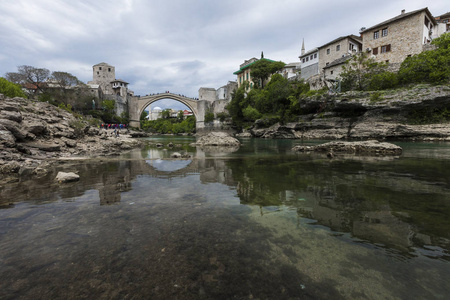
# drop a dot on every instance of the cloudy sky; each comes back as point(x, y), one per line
point(178, 45)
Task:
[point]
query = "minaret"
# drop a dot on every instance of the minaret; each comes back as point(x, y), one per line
point(262, 54)
point(303, 47)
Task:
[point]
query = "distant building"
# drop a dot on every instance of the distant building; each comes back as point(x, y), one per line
point(395, 39)
point(245, 71)
point(443, 25)
point(291, 70)
point(327, 60)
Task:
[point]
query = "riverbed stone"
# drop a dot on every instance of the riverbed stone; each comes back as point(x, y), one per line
point(63, 177)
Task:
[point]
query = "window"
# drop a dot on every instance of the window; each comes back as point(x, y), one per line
point(375, 51)
point(376, 34)
point(99, 68)
point(315, 55)
point(98, 72)
point(304, 60)
point(338, 48)
point(385, 48)
point(384, 32)
point(328, 51)
point(109, 69)
point(331, 72)
point(307, 59)
point(311, 57)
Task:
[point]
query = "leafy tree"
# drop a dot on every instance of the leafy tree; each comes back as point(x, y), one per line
point(430, 66)
point(10, 89)
point(251, 114)
point(359, 71)
point(165, 114)
point(263, 69)
point(180, 115)
point(62, 82)
point(144, 115)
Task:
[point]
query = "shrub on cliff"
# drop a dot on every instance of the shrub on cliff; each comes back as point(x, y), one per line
point(430, 66)
point(10, 89)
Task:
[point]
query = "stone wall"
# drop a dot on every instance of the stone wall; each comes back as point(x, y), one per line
point(208, 94)
point(309, 71)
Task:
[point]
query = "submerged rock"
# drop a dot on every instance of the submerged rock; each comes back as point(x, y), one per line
point(361, 147)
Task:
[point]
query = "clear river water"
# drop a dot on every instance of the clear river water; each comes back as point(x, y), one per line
point(258, 222)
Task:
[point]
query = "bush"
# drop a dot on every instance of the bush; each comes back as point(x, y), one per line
point(429, 66)
point(383, 81)
point(209, 117)
point(10, 89)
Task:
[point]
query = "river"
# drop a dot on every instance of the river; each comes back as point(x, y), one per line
point(258, 222)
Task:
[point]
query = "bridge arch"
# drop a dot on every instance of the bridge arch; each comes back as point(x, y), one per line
point(138, 104)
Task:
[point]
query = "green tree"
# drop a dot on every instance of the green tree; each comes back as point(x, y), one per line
point(144, 115)
point(165, 114)
point(262, 69)
point(180, 115)
point(10, 89)
point(251, 114)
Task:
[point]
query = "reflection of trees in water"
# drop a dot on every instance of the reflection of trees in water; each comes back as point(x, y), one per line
point(365, 199)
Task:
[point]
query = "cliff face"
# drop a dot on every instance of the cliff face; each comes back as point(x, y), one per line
point(422, 113)
point(32, 134)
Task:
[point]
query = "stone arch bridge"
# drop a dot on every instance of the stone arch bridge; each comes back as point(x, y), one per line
point(136, 106)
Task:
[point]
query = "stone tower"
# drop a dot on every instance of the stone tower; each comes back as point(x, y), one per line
point(103, 74)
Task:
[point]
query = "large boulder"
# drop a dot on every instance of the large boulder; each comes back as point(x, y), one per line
point(217, 139)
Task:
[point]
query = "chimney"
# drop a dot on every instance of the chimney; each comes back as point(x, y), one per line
point(403, 11)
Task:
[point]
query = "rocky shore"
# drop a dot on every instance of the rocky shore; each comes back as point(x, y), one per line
point(372, 147)
point(34, 135)
point(420, 113)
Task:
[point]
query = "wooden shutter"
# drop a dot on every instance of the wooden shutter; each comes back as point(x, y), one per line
point(388, 48)
point(375, 51)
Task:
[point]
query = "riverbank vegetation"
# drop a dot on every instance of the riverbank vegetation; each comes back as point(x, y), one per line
point(167, 124)
point(282, 100)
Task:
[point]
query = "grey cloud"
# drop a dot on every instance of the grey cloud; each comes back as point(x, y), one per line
point(176, 44)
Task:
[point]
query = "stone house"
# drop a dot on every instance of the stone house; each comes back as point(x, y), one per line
point(400, 37)
point(338, 48)
point(334, 55)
